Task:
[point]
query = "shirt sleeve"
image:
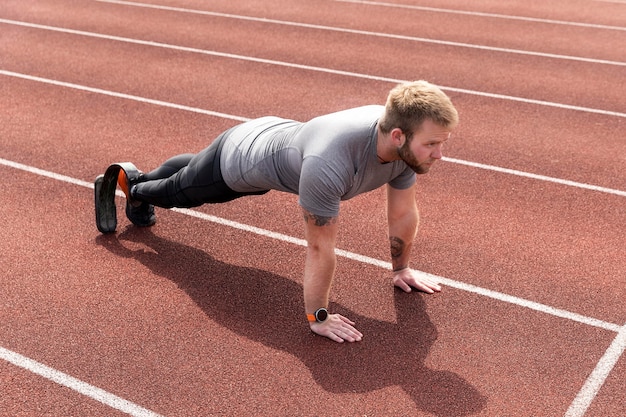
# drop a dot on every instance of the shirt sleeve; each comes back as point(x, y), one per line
point(404, 180)
point(322, 184)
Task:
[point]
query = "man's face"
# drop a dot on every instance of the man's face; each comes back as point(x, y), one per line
point(425, 147)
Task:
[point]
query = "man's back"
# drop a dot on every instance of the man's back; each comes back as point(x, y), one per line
point(325, 160)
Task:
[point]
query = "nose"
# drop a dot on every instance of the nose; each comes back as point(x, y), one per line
point(437, 153)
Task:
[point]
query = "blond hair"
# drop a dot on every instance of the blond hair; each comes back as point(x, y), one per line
point(409, 104)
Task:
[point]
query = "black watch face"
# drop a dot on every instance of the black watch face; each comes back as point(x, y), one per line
point(321, 314)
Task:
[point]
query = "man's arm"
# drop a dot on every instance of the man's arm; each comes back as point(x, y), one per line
point(319, 269)
point(403, 219)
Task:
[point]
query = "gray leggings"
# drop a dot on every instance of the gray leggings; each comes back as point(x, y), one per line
point(188, 180)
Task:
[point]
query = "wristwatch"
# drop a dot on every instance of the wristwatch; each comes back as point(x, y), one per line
point(320, 315)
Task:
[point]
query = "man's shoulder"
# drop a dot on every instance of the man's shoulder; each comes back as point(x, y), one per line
point(366, 113)
point(342, 127)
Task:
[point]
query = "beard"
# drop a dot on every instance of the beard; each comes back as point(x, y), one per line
point(409, 158)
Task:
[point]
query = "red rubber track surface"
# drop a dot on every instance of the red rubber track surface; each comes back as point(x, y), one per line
point(197, 318)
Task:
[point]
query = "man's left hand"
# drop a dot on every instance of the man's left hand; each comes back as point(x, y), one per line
point(406, 279)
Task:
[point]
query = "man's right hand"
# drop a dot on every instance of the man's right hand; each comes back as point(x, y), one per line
point(338, 328)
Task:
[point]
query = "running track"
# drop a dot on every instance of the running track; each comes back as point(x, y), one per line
point(201, 315)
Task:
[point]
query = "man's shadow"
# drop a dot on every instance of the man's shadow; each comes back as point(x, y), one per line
point(268, 308)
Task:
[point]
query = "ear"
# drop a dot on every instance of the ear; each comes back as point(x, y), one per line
point(397, 137)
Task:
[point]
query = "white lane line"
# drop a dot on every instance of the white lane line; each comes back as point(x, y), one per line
point(308, 68)
point(578, 407)
point(77, 385)
point(598, 376)
point(346, 254)
point(537, 176)
point(123, 95)
point(493, 15)
point(543, 308)
point(367, 33)
point(243, 119)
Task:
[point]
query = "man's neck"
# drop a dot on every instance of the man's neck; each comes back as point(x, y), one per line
point(385, 151)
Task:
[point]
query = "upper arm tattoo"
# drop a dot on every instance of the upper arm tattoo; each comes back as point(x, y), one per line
point(319, 220)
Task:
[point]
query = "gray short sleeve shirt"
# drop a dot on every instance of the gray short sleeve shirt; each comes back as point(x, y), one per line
point(325, 160)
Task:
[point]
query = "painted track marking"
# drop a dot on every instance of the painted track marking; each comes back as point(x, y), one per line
point(309, 67)
point(596, 379)
point(578, 407)
point(345, 254)
point(243, 119)
point(367, 33)
point(491, 15)
point(593, 383)
point(536, 176)
point(77, 385)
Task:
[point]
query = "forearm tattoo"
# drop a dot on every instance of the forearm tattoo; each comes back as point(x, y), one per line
point(397, 246)
point(319, 220)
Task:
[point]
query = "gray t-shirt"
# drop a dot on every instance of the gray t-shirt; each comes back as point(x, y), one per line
point(325, 160)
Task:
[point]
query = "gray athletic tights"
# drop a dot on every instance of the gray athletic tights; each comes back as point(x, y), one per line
point(188, 180)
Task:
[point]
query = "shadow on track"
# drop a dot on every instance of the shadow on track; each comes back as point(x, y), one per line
point(266, 307)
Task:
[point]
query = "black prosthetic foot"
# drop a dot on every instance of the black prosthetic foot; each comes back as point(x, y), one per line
point(140, 214)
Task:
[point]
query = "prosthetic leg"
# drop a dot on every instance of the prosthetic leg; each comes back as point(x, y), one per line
point(104, 193)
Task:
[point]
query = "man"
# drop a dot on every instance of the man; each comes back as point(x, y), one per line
point(325, 160)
